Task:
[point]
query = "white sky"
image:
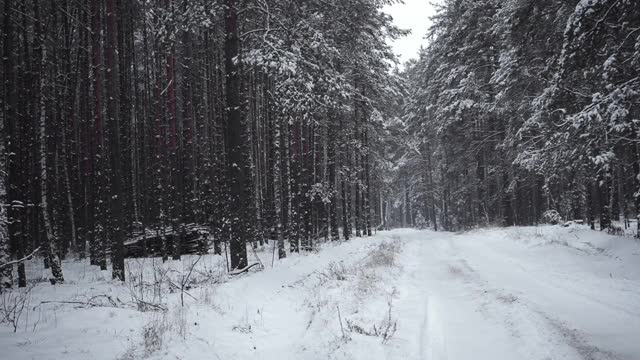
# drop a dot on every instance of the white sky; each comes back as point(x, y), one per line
point(413, 15)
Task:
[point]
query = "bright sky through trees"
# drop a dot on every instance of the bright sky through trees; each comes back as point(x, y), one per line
point(413, 15)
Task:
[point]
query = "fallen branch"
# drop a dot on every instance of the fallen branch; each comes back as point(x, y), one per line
point(28, 257)
point(243, 270)
point(88, 303)
point(171, 283)
point(344, 335)
point(144, 305)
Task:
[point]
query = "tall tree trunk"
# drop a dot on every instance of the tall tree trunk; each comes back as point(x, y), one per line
point(52, 248)
point(285, 180)
point(333, 183)
point(98, 187)
point(234, 131)
point(636, 198)
point(8, 85)
point(344, 185)
point(367, 184)
point(277, 187)
point(432, 198)
point(357, 166)
point(295, 151)
point(113, 115)
point(6, 272)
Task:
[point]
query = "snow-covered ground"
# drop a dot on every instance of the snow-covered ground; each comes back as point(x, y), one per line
point(517, 293)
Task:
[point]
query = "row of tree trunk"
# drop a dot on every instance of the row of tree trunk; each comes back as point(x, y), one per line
point(127, 115)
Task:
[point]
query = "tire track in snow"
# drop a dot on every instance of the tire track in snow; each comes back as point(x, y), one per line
point(499, 303)
point(420, 335)
point(423, 339)
point(434, 334)
point(542, 287)
point(576, 340)
point(461, 299)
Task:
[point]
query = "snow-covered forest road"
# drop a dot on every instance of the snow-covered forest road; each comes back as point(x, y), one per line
point(517, 293)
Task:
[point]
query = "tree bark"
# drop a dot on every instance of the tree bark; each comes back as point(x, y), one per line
point(113, 114)
point(6, 273)
point(52, 248)
point(234, 130)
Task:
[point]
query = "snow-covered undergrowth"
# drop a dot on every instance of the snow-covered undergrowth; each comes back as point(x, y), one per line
point(93, 316)
point(505, 293)
point(358, 296)
point(188, 306)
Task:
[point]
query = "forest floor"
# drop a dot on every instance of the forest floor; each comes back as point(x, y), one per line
point(517, 293)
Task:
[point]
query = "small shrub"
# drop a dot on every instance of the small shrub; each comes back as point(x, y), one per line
point(148, 295)
point(615, 230)
point(129, 354)
point(13, 304)
point(551, 217)
point(420, 221)
point(179, 323)
point(334, 271)
point(154, 332)
point(384, 255)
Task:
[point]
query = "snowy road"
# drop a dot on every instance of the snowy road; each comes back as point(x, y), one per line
point(517, 294)
point(499, 294)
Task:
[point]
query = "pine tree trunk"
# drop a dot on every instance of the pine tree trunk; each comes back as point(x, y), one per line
point(367, 183)
point(51, 245)
point(333, 183)
point(285, 181)
point(296, 183)
point(434, 216)
point(12, 145)
point(590, 205)
point(405, 204)
point(8, 84)
point(277, 187)
point(98, 188)
point(344, 185)
point(604, 189)
point(636, 198)
point(113, 114)
point(236, 166)
point(6, 272)
point(357, 166)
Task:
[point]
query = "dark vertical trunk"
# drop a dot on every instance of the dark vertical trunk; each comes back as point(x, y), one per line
point(296, 183)
point(622, 204)
point(280, 212)
point(10, 138)
point(306, 198)
point(285, 181)
point(604, 191)
point(344, 185)
point(98, 183)
point(590, 205)
point(113, 116)
point(505, 195)
point(236, 168)
point(636, 198)
point(174, 208)
point(51, 239)
point(535, 199)
point(358, 170)
point(6, 272)
point(595, 200)
point(333, 183)
point(432, 198)
point(367, 184)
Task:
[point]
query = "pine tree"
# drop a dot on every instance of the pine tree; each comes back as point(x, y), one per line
point(234, 131)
